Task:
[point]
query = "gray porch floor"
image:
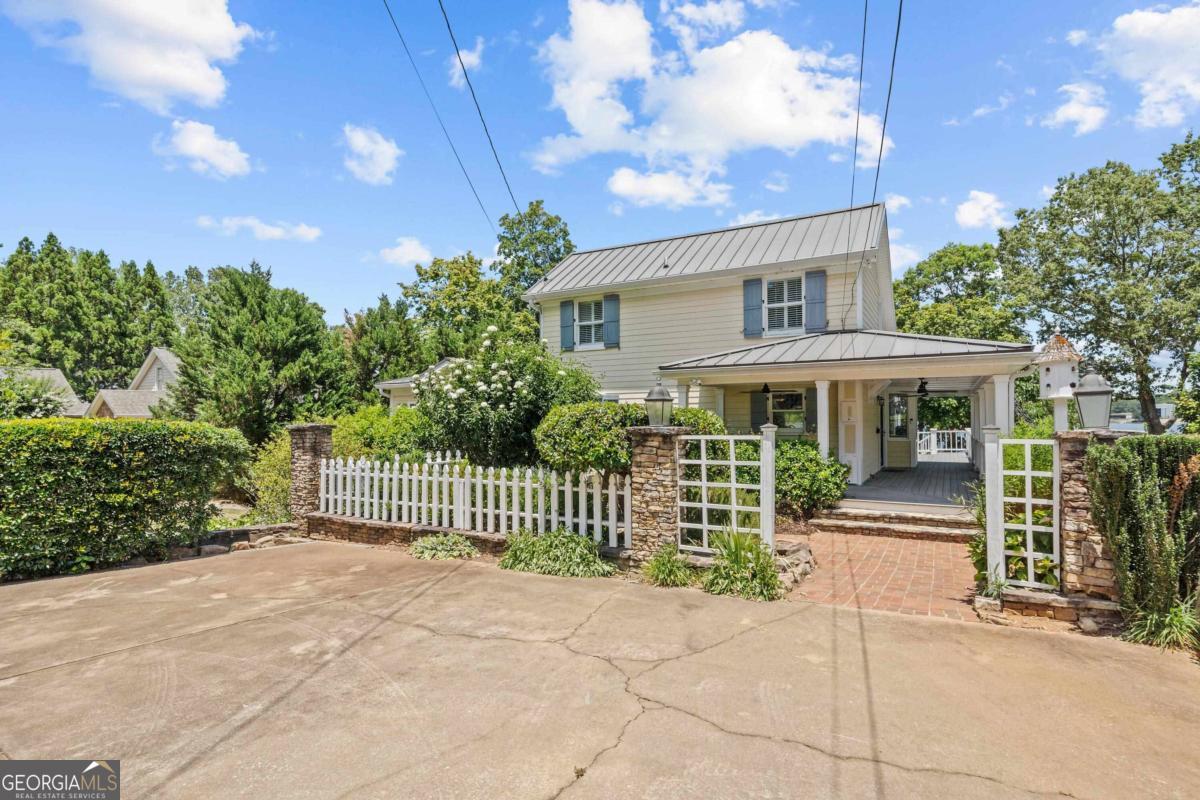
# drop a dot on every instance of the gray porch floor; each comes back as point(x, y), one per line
point(939, 481)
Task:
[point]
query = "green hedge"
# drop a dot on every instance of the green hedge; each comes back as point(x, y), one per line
point(805, 482)
point(586, 436)
point(1145, 493)
point(81, 494)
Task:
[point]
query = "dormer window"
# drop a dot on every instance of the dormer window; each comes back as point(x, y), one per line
point(785, 305)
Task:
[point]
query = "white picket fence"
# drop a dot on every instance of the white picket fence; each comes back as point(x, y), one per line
point(443, 457)
point(478, 499)
point(934, 442)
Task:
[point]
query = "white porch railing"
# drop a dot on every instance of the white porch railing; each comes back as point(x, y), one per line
point(478, 499)
point(934, 442)
point(726, 483)
point(443, 457)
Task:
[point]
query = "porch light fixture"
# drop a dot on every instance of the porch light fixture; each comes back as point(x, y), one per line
point(1093, 400)
point(658, 406)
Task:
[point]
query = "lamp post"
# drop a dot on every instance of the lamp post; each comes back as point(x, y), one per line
point(1093, 400)
point(658, 406)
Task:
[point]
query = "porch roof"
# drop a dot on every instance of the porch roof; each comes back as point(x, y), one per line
point(841, 346)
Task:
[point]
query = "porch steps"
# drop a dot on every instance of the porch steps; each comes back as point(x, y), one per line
point(955, 525)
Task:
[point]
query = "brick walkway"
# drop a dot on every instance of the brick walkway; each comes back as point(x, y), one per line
point(905, 575)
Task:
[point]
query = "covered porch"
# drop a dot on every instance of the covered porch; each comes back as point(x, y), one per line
point(855, 395)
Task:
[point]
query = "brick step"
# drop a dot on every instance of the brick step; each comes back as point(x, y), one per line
point(933, 533)
point(956, 519)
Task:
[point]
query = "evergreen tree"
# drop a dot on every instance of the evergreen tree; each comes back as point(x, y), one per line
point(381, 343)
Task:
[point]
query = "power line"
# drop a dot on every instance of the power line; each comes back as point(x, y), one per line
point(467, 77)
point(433, 105)
point(887, 106)
point(862, 58)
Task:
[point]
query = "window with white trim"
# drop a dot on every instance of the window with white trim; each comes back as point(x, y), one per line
point(590, 323)
point(785, 305)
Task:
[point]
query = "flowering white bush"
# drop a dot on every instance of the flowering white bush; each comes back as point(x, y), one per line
point(488, 405)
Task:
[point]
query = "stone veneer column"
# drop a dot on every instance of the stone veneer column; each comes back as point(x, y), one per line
point(1087, 561)
point(654, 495)
point(310, 443)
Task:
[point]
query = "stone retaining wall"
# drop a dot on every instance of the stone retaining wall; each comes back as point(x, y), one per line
point(654, 475)
point(1087, 561)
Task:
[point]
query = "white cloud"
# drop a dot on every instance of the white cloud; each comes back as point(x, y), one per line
point(1156, 48)
point(471, 59)
point(228, 226)
point(697, 107)
point(896, 202)
point(371, 157)
point(1076, 37)
point(206, 152)
point(751, 217)
point(671, 189)
point(408, 251)
point(1046, 191)
point(1084, 108)
point(903, 256)
point(1002, 102)
point(980, 210)
point(777, 181)
point(154, 53)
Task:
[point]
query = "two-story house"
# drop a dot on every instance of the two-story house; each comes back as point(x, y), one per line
point(790, 321)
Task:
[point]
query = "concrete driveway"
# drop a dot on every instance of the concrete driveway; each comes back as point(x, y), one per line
point(326, 670)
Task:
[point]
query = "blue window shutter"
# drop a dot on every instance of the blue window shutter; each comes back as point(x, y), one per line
point(810, 410)
point(752, 307)
point(758, 410)
point(566, 324)
point(612, 320)
point(814, 301)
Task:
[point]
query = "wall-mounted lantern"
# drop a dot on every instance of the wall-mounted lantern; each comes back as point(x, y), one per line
point(1093, 400)
point(658, 406)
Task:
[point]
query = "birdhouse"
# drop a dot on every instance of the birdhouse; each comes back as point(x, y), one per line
point(1058, 369)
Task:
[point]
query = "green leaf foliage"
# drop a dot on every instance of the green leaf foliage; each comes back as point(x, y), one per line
point(1146, 502)
point(530, 244)
point(591, 435)
point(557, 552)
point(443, 546)
point(668, 568)
point(82, 494)
point(1176, 629)
point(488, 405)
point(382, 343)
point(805, 481)
point(743, 566)
point(21, 396)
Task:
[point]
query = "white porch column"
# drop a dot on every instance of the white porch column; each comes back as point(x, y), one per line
point(1002, 404)
point(823, 417)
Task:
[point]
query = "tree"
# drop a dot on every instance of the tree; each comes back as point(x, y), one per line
point(1104, 261)
point(381, 343)
point(455, 302)
point(257, 357)
point(1180, 171)
point(183, 294)
point(530, 244)
point(21, 396)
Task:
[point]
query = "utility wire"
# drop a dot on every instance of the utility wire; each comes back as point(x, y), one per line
point(887, 106)
point(862, 58)
point(442, 124)
point(475, 99)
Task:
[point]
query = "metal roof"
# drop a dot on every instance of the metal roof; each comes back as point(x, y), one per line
point(846, 346)
point(777, 241)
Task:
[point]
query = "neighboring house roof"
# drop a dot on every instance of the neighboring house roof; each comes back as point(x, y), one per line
point(840, 346)
point(126, 402)
point(161, 355)
point(57, 380)
point(830, 233)
point(407, 381)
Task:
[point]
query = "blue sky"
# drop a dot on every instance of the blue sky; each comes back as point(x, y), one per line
point(296, 134)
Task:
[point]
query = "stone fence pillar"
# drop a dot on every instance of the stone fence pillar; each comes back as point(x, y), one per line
point(1087, 561)
point(310, 443)
point(654, 496)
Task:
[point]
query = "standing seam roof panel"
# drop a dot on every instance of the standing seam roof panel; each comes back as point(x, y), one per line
point(761, 245)
point(729, 256)
point(771, 254)
point(646, 264)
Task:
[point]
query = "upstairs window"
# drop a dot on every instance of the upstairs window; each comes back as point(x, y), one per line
point(785, 305)
point(590, 323)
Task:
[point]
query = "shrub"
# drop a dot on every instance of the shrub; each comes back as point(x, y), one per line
point(743, 566)
point(1177, 628)
point(443, 546)
point(591, 436)
point(557, 552)
point(28, 397)
point(81, 494)
point(488, 405)
point(805, 481)
point(1146, 502)
point(668, 568)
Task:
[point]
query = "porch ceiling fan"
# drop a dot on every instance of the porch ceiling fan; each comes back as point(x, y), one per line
point(923, 390)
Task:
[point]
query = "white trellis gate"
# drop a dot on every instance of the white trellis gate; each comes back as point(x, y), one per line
point(1023, 528)
point(726, 483)
point(477, 499)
